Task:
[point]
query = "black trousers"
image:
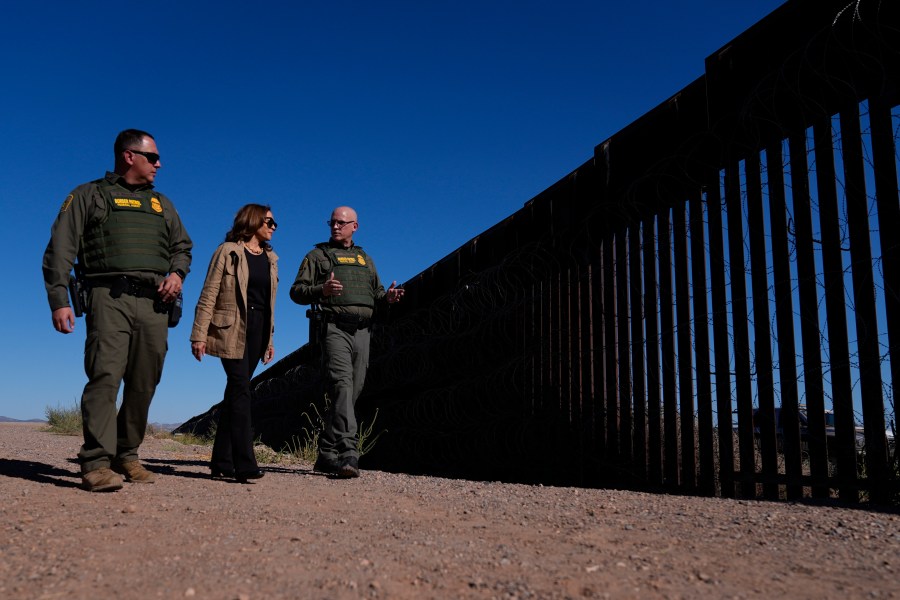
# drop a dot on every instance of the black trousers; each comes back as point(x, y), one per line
point(233, 447)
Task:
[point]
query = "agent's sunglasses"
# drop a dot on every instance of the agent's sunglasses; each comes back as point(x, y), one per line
point(270, 223)
point(152, 157)
point(339, 224)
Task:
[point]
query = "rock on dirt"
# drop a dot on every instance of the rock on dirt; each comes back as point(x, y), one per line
point(298, 534)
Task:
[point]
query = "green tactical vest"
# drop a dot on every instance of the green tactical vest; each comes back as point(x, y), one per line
point(132, 237)
point(351, 268)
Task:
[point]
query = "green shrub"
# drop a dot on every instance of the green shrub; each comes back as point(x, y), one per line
point(64, 421)
point(306, 446)
point(366, 442)
point(304, 450)
point(265, 455)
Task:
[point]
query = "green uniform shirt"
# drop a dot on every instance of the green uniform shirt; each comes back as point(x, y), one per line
point(84, 205)
point(311, 277)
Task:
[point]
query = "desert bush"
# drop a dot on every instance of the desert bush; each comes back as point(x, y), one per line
point(366, 442)
point(188, 439)
point(267, 456)
point(305, 447)
point(64, 421)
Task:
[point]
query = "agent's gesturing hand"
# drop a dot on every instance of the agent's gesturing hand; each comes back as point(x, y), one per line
point(332, 286)
point(394, 293)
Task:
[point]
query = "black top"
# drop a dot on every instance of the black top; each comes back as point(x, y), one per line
point(259, 284)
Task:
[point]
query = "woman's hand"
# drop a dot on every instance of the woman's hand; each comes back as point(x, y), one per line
point(269, 355)
point(198, 349)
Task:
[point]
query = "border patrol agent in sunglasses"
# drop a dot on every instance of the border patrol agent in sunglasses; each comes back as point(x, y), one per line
point(133, 255)
point(340, 278)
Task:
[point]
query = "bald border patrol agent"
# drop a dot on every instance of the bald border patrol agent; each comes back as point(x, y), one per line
point(133, 256)
point(340, 279)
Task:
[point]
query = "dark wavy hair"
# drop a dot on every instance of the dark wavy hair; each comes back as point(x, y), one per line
point(247, 221)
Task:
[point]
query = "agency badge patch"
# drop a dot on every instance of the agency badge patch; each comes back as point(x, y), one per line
point(66, 203)
point(360, 259)
point(155, 205)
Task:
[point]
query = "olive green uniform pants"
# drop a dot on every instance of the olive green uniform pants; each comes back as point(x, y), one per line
point(345, 360)
point(126, 342)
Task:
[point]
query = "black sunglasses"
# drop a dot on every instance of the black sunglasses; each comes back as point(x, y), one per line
point(270, 222)
point(152, 157)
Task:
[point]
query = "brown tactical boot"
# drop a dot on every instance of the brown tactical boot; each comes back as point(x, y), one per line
point(134, 472)
point(101, 480)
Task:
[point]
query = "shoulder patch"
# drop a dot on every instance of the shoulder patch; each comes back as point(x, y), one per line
point(66, 203)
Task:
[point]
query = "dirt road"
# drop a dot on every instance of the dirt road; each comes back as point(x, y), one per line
point(297, 534)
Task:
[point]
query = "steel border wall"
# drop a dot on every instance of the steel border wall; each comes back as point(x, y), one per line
point(605, 365)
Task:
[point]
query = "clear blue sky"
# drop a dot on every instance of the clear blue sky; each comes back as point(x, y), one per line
point(435, 120)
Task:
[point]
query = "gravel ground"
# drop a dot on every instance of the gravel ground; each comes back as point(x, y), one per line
point(298, 534)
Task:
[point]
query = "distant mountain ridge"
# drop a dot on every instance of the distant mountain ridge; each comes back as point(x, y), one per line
point(167, 426)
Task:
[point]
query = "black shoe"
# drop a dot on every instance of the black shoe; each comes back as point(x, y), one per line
point(349, 468)
point(327, 465)
point(220, 473)
point(246, 475)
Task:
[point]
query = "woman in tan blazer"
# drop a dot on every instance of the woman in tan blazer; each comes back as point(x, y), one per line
point(234, 321)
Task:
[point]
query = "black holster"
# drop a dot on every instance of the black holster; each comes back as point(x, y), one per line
point(175, 309)
point(78, 293)
point(316, 326)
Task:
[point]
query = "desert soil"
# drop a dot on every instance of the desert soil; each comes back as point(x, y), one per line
point(298, 534)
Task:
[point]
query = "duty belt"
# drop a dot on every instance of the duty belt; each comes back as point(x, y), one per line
point(129, 286)
point(346, 320)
